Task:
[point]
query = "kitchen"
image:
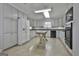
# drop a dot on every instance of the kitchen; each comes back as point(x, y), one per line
point(19, 24)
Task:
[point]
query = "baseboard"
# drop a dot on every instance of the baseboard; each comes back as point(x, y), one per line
point(27, 41)
point(10, 47)
point(24, 43)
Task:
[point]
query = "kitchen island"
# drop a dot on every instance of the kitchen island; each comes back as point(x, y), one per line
point(55, 28)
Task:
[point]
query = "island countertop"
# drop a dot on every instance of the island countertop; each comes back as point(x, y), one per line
point(56, 28)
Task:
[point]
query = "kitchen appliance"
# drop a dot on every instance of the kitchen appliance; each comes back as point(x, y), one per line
point(53, 34)
point(68, 35)
point(69, 15)
point(68, 27)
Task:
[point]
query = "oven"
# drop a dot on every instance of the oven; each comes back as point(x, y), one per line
point(68, 35)
point(69, 15)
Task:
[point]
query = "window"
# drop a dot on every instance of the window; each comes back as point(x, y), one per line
point(47, 24)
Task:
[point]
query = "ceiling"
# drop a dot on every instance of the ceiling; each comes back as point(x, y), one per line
point(58, 9)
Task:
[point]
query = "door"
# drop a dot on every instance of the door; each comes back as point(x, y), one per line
point(68, 35)
point(22, 35)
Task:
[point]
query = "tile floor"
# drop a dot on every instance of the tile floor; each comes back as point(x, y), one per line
point(53, 47)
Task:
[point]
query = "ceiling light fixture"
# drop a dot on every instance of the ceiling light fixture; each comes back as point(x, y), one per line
point(45, 12)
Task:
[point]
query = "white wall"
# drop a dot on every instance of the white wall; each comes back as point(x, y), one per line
point(76, 30)
point(1, 26)
point(40, 22)
point(9, 25)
